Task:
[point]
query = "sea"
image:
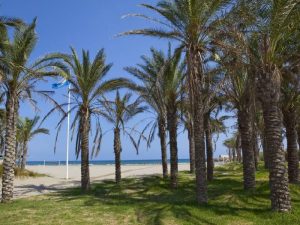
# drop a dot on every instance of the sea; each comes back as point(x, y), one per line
point(103, 162)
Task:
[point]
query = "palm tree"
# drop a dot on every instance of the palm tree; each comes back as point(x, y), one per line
point(192, 24)
point(230, 144)
point(171, 80)
point(25, 132)
point(238, 146)
point(188, 123)
point(239, 94)
point(118, 113)
point(268, 45)
point(151, 91)
point(290, 103)
point(267, 27)
point(256, 113)
point(216, 127)
point(163, 76)
point(6, 22)
point(87, 79)
point(212, 125)
point(18, 84)
point(10, 21)
point(2, 130)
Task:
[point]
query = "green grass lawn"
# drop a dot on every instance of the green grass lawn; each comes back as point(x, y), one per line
point(150, 201)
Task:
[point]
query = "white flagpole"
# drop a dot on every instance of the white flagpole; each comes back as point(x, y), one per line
point(68, 132)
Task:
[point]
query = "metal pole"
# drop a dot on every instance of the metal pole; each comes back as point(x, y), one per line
point(68, 132)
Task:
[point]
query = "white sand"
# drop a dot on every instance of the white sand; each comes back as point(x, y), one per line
point(55, 180)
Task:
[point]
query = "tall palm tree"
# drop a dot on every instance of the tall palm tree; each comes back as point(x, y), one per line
point(171, 80)
point(151, 91)
point(290, 103)
point(26, 130)
point(213, 79)
point(238, 92)
point(5, 23)
point(2, 130)
point(118, 113)
point(192, 24)
point(188, 123)
point(276, 21)
point(18, 84)
point(165, 73)
point(88, 84)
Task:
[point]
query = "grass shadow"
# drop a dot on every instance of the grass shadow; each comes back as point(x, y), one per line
point(154, 202)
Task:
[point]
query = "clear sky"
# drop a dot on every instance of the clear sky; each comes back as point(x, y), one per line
point(89, 24)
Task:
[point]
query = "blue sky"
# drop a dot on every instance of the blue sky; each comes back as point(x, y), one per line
point(89, 24)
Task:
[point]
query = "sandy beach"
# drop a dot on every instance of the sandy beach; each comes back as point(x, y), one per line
point(55, 179)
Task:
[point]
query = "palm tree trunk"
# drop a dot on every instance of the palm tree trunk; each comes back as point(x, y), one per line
point(24, 156)
point(191, 148)
point(117, 150)
point(172, 127)
point(18, 155)
point(163, 145)
point(84, 131)
point(234, 154)
point(201, 181)
point(265, 151)
point(209, 148)
point(298, 135)
point(244, 122)
point(230, 154)
point(269, 84)
point(255, 148)
point(196, 92)
point(238, 148)
point(10, 148)
point(280, 197)
point(292, 147)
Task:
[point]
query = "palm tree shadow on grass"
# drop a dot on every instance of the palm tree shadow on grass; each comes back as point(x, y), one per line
point(153, 201)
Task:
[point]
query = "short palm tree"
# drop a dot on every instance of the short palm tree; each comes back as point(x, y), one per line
point(26, 130)
point(88, 85)
point(192, 24)
point(118, 113)
point(19, 81)
point(230, 144)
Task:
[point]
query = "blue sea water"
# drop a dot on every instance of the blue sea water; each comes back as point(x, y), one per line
point(103, 162)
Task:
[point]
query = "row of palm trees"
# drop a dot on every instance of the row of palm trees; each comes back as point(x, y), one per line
point(239, 55)
point(255, 47)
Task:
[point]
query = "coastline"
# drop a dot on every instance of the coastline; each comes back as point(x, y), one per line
point(103, 162)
